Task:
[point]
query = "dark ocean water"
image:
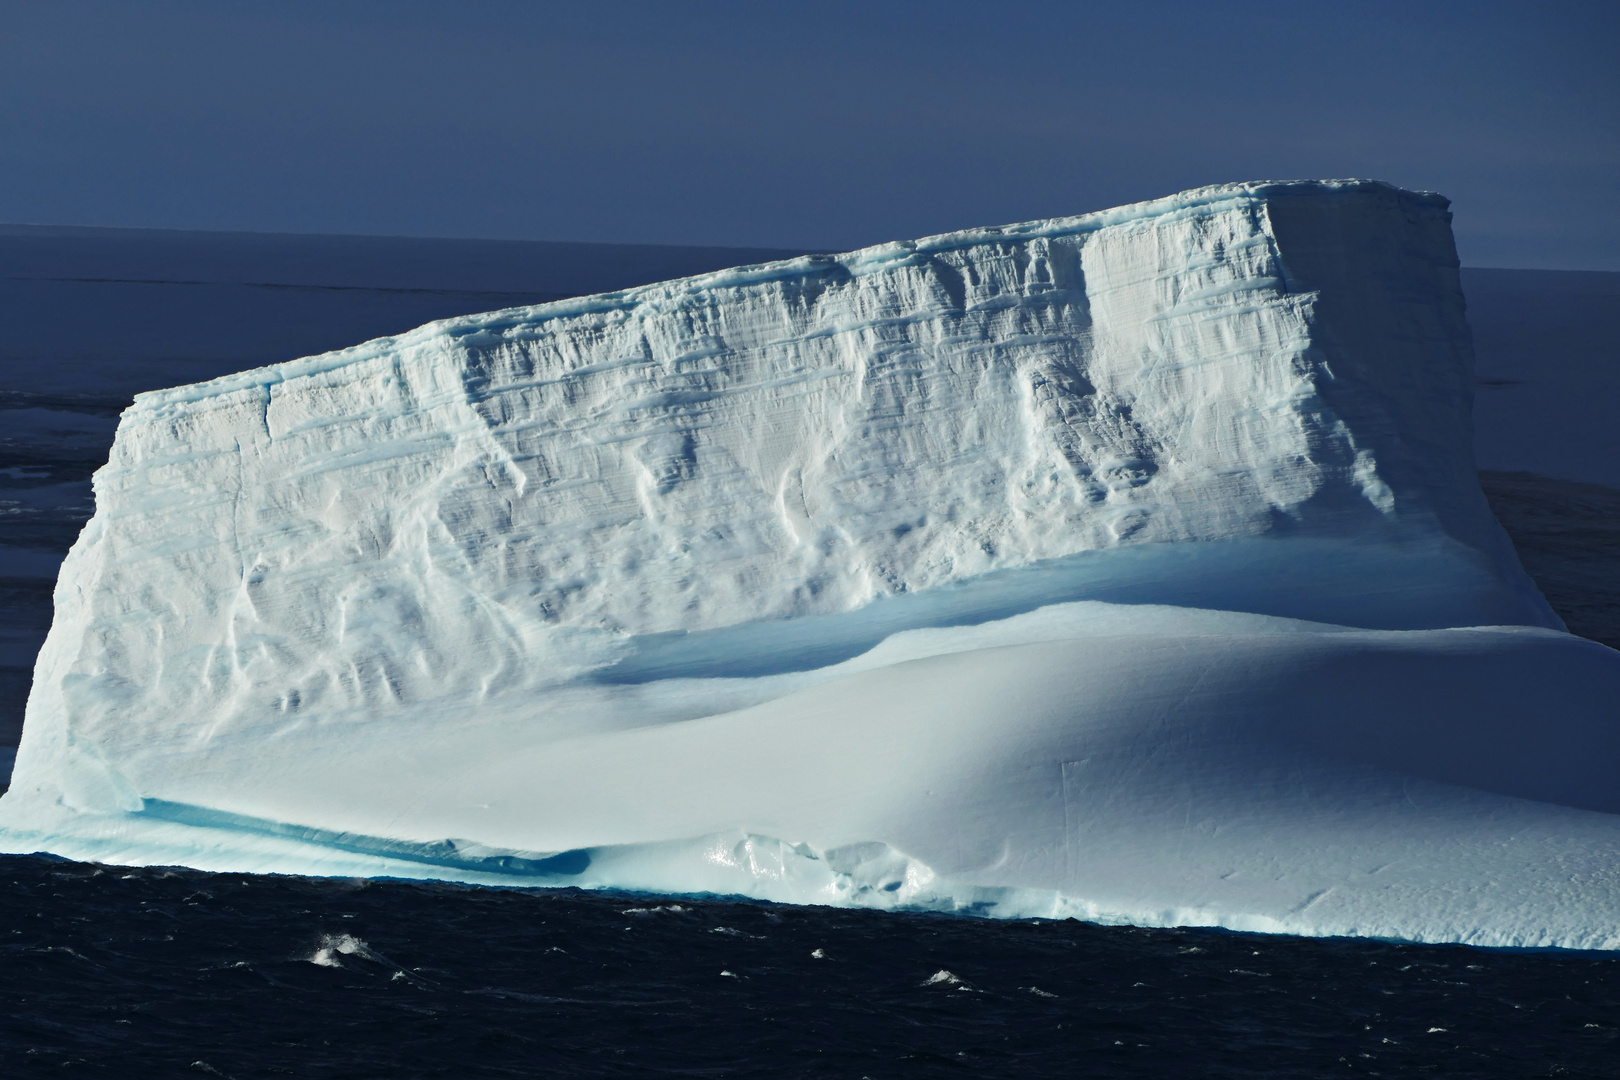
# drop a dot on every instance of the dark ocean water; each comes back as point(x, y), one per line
point(157, 973)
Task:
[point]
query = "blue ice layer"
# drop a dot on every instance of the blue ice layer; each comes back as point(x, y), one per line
point(1426, 583)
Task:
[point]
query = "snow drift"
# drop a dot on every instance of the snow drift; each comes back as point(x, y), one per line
point(1130, 565)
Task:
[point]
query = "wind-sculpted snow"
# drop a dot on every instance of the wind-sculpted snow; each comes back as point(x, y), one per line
point(1109, 565)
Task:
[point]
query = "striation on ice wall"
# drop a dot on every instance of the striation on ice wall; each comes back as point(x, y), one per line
point(326, 605)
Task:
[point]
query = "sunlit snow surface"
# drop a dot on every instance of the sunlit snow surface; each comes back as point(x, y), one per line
point(1129, 566)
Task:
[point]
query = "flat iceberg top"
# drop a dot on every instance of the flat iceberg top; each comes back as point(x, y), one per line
point(862, 261)
point(568, 591)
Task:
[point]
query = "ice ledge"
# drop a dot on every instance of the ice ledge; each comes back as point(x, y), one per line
point(870, 875)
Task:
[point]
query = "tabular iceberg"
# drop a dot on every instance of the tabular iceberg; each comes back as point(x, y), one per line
point(1130, 566)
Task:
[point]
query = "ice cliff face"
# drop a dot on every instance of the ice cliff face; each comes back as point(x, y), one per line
point(689, 498)
point(513, 500)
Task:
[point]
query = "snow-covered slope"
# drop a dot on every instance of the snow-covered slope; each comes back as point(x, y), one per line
point(1102, 564)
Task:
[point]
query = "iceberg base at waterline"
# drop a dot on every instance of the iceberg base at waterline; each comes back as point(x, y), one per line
point(1131, 566)
point(1159, 767)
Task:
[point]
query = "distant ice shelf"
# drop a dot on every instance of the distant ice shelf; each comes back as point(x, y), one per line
point(1131, 566)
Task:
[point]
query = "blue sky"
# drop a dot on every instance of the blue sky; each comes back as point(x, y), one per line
point(807, 125)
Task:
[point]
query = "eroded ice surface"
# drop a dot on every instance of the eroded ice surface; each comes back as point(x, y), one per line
point(1121, 565)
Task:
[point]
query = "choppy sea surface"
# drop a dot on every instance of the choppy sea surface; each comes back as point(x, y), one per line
point(162, 973)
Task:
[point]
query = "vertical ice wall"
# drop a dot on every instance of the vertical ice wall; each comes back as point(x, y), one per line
point(1252, 397)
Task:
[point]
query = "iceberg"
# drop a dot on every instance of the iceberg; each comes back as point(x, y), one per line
point(1130, 566)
